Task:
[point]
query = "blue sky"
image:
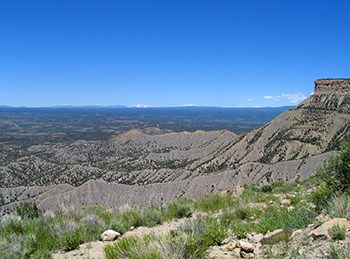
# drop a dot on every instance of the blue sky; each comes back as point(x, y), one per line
point(228, 53)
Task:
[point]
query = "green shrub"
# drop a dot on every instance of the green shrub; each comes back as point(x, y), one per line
point(176, 246)
point(215, 202)
point(338, 207)
point(117, 224)
point(247, 212)
point(133, 218)
point(213, 232)
point(11, 224)
point(133, 247)
point(242, 228)
point(201, 233)
point(251, 192)
point(153, 217)
point(282, 187)
point(28, 210)
point(103, 213)
point(321, 197)
point(228, 218)
point(336, 173)
point(337, 232)
point(340, 252)
point(267, 188)
point(276, 218)
point(72, 240)
point(179, 208)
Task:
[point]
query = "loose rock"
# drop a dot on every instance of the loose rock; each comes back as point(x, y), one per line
point(230, 246)
point(286, 202)
point(272, 236)
point(322, 231)
point(110, 235)
point(246, 246)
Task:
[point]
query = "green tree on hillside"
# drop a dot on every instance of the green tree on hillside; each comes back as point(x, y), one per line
point(336, 172)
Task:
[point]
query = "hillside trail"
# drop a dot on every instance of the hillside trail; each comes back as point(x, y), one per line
point(94, 249)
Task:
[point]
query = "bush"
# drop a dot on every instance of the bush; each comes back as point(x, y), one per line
point(245, 213)
point(276, 217)
point(340, 250)
point(267, 188)
point(11, 224)
point(338, 207)
point(213, 232)
point(179, 208)
point(242, 228)
point(133, 247)
point(201, 233)
point(72, 240)
point(152, 217)
point(337, 232)
point(228, 218)
point(28, 210)
point(133, 218)
point(171, 247)
point(215, 202)
point(336, 173)
point(117, 224)
point(321, 197)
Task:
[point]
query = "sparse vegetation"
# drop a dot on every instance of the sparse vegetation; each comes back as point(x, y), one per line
point(28, 210)
point(336, 173)
point(337, 232)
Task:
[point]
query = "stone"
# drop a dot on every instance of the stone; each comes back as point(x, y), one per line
point(295, 233)
point(217, 253)
point(322, 231)
point(270, 237)
point(256, 238)
point(290, 196)
point(110, 235)
point(230, 246)
point(226, 241)
point(290, 208)
point(236, 253)
point(246, 246)
point(286, 202)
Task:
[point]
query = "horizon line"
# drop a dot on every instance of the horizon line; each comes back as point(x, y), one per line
point(140, 107)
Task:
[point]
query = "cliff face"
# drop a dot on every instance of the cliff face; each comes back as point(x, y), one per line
point(330, 94)
point(332, 85)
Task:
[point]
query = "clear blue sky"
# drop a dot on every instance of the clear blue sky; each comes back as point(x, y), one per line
point(229, 53)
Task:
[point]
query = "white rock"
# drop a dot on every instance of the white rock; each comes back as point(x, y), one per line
point(256, 238)
point(110, 235)
point(290, 208)
point(286, 202)
point(295, 233)
point(271, 236)
point(230, 246)
point(246, 246)
point(323, 229)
